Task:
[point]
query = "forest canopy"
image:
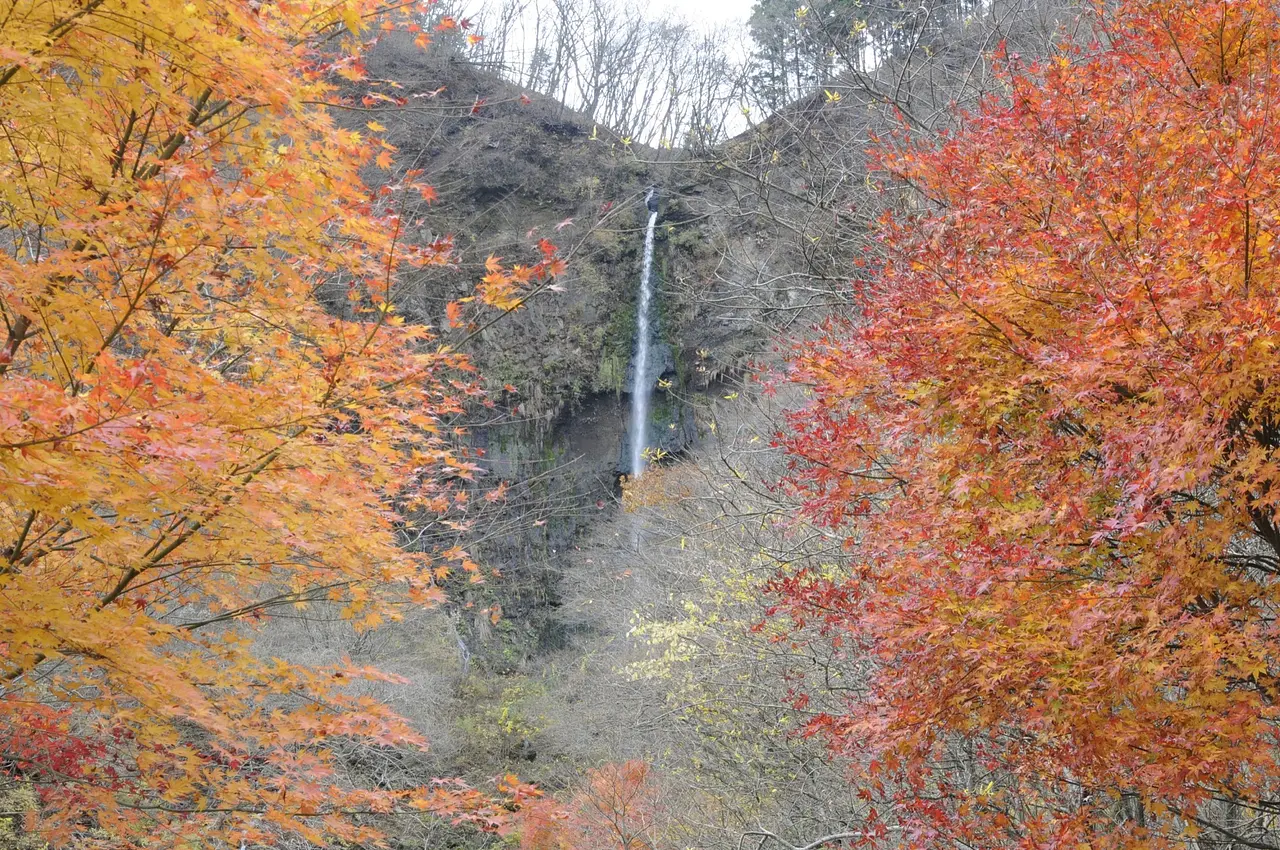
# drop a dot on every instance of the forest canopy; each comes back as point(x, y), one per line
point(959, 527)
point(1050, 442)
point(188, 437)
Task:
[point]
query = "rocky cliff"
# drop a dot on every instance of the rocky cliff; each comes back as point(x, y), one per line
point(511, 168)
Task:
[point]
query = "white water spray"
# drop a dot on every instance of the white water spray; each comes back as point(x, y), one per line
point(640, 384)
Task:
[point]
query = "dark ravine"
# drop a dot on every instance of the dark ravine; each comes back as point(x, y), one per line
point(509, 173)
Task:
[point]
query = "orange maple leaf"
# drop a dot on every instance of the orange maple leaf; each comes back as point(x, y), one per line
point(453, 311)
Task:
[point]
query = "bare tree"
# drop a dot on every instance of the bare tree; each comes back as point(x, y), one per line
point(649, 79)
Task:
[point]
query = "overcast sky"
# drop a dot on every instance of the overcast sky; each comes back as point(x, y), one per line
point(709, 11)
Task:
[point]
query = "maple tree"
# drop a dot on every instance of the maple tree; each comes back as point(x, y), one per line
point(618, 806)
point(1051, 442)
point(189, 442)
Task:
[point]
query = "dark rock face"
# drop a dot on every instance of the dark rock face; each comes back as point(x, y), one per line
point(672, 430)
point(662, 364)
point(563, 129)
point(512, 170)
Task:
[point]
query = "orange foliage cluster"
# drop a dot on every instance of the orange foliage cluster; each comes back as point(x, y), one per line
point(508, 289)
point(1054, 440)
point(187, 438)
point(617, 808)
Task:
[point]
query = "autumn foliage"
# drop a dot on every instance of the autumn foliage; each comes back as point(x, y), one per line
point(189, 441)
point(1053, 447)
point(617, 807)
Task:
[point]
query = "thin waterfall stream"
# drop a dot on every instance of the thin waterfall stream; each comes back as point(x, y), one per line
point(641, 386)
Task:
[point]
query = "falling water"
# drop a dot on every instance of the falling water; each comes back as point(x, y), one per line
point(640, 383)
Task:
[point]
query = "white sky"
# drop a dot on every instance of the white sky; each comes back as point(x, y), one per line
point(707, 11)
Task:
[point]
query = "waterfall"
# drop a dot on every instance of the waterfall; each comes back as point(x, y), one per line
point(641, 386)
